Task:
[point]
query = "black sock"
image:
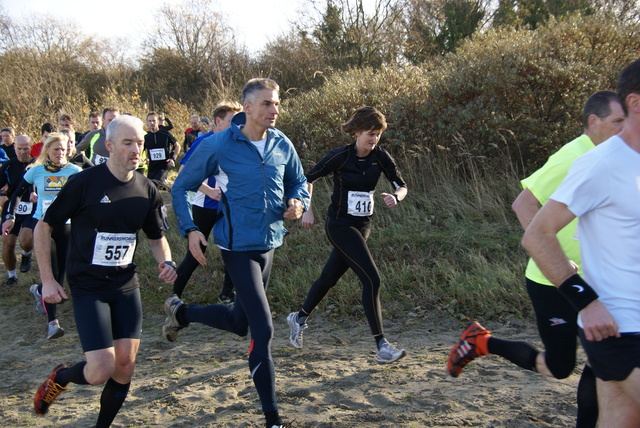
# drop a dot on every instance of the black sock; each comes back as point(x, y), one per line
point(587, 400)
point(273, 418)
point(379, 340)
point(74, 374)
point(302, 317)
point(113, 395)
point(181, 316)
point(519, 353)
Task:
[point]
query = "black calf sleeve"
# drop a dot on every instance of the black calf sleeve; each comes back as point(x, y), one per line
point(521, 354)
point(111, 400)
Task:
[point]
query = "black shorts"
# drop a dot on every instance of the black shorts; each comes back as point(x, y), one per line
point(21, 221)
point(613, 358)
point(102, 319)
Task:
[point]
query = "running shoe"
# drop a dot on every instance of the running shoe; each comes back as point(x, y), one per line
point(386, 353)
point(466, 350)
point(225, 300)
point(38, 298)
point(54, 330)
point(11, 281)
point(48, 392)
point(171, 325)
point(25, 263)
point(295, 330)
point(169, 332)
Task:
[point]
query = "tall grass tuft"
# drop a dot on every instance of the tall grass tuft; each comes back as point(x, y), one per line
point(451, 247)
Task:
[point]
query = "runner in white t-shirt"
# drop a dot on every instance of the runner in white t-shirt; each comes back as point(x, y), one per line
point(602, 189)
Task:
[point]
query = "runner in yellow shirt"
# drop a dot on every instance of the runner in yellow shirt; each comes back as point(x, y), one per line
point(603, 117)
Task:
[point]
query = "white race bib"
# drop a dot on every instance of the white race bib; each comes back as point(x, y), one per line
point(114, 249)
point(360, 204)
point(45, 206)
point(99, 160)
point(24, 208)
point(156, 154)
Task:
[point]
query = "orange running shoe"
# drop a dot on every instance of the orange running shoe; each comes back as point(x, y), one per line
point(48, 392)
point(467, 349)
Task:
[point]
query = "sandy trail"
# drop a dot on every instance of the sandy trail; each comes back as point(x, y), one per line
point(202, 380)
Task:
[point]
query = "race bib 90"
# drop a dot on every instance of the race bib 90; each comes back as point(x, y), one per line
point(24, 208)
point(114, 249)
point(360, 204)
point(156, 154)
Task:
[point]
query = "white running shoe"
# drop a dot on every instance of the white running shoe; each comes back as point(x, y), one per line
point(295, 330)
point(54, 330)
point(38, 298)
point(386, 353)
point(171, 325)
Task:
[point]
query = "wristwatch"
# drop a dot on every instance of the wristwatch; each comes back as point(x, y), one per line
point(191, 229)
point(10, 217)
point(171, 263)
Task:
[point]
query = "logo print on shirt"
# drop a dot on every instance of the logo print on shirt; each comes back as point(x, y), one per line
point(557, 321)
point(105, 200)
point(53, 184)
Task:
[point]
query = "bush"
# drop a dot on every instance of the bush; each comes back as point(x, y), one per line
point(464, 128)
point(512, 96)
point(522, 92)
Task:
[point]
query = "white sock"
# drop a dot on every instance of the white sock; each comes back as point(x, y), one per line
point(12, 273)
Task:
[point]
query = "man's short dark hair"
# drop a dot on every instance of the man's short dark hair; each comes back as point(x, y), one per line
point(8, 129)
point(253, 86)
point(48, 127)
point(109, 109)
point(94, 114)
point(598, 104)
point(629, 83)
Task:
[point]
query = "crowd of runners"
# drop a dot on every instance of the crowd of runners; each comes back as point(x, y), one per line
point(77, 201)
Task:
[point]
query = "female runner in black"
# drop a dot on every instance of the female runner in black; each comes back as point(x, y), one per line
point(356, 169)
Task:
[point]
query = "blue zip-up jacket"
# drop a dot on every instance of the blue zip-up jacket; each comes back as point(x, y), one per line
point(254, 189)
point(200, 199)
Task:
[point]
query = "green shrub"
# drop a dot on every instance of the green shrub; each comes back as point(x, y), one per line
point(522, 91)
point(513, 96)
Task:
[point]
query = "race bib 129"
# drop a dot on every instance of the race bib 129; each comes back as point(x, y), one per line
point(156, 154)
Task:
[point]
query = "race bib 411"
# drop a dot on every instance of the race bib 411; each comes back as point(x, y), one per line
point(360, 204)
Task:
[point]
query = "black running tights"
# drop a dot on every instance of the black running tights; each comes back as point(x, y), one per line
point(250, 271)
point(350, 251)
